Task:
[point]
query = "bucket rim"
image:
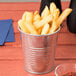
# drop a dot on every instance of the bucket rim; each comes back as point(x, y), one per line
point(39, 35)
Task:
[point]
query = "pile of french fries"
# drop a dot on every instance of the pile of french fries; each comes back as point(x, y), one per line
point(49, 21)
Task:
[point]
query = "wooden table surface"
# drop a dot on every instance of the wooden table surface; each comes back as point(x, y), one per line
point(11, 57)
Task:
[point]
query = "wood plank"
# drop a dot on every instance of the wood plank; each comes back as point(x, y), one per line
point(66, 38)
point(63, 39)
point(15, 15)
point(64, 27)
point(26, 5)
point(20, 1)
point(66, 52)
point(58, 62)
point(24, 0)
point(15, 27)
point(15, 10)
point(15, 6)
point(62, 52)
point(65, 4)
point(16, 68)
point(11, 53)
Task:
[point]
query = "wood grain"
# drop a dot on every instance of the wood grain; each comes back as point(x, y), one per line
point(58, 62)
point(15, 10)
point(16, 68)
point(19, 6)
point(25, 0)
point(65, 4)
point(14, 15)
point(66, 38)
point(11, 55)
point(62, 52)
point(26, 6)
point(66, 52)
point(63, 39)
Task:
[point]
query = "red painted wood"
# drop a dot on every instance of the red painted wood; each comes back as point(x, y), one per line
point(15, 15)
point(15, 10)
point(66, 38)
point(65, 4)
point(26, 6)
point(66, 52)
point(11, 56)
point(16, 68)
point(20, 6)
point(64, 28)
point(58, 62)
point(63, 38)
point(62, 52)
point(11, 53)
point(15, 26)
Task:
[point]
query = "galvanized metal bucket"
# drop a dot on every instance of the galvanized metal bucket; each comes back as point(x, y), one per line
point(39, 52)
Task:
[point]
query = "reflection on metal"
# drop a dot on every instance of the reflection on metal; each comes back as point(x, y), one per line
point(39, 52)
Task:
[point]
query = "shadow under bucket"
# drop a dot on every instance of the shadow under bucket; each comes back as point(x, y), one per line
point(39, 52)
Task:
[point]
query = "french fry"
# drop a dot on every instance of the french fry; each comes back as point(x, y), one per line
point(64, 14)
point(24, 16)
point(36, 23)
point(53, 27)
point(39, 30)
point(41, 23)
point(35, 13)
point(22, 26)
point(56, 14)
point(52, 7)
point(29, 17)
point(31, 28)
point(36, 16)
point(45, 12)
point(49, 21)
point(45, 29)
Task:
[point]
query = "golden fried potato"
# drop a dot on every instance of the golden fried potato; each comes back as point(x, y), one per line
point(35, 23)
point(29, 17)
point(64, 14)
point(22, 26)
point(36, 12)
point(36, 16)
point(31, 28)
point(39, 30)
point(52, 7)
point(53, 27)
point(45, 12)
point(24, 16)
point(49, 21)
point(45, 29)
point(56, 14)
point(41, 23)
